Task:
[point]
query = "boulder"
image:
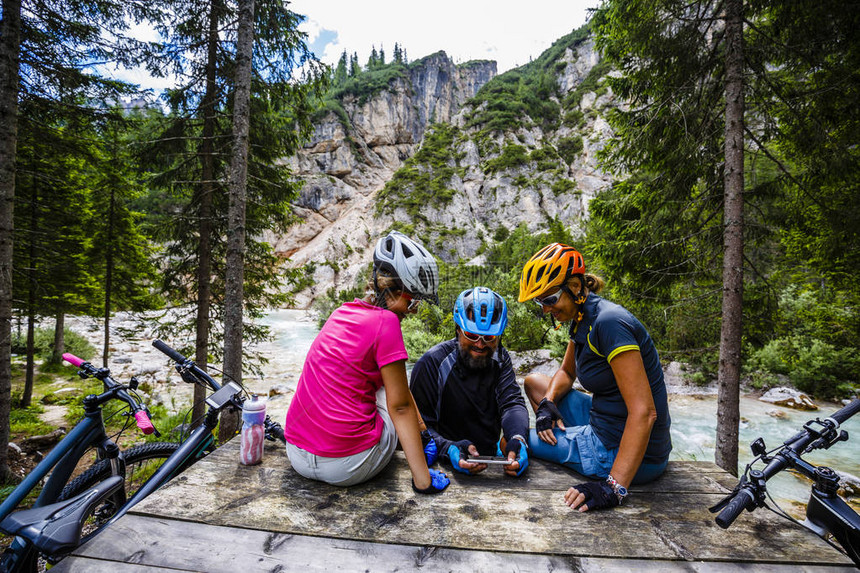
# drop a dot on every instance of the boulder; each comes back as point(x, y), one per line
point(279, 390)
point(789, 398)
point(849, 485)
point(774, 413)
point(538, 361)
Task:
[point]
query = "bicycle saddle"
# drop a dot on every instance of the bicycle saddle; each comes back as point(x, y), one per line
point(56, 528)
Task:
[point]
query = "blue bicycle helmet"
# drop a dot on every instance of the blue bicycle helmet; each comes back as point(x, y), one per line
point(481, 311)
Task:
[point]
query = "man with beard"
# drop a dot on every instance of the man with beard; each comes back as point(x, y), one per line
point(466, 390)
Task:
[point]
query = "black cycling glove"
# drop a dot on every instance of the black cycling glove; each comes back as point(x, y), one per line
point(546, 414)
point(598, 494)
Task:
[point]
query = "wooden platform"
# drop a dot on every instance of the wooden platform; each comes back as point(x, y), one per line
point(221, 516)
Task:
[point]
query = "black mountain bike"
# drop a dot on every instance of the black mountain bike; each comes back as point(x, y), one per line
point(56, 522)
point(827, 514)
point(55, 525)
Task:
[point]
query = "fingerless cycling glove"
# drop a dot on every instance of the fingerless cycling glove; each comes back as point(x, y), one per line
point(438, 482)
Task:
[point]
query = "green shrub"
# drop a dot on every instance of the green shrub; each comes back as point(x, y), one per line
point(573, 118)
point(570, 147)
point(563, 185)
point(812, 365)
point(26, 421)
point(425, 178)
point(500, 234)
point(512, 156)
point(43, 341)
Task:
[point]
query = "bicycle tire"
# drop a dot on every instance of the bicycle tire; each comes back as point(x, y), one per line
point(137, 468)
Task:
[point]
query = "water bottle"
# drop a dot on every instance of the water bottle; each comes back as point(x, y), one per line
point(253, 430)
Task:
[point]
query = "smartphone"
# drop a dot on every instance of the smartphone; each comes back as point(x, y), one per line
point(499, 460)
point(224, 395)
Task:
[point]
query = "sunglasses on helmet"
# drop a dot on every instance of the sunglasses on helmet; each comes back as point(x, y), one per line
point(549, 300)
point(476, 337)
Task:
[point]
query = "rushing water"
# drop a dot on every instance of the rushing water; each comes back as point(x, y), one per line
point(693, 417)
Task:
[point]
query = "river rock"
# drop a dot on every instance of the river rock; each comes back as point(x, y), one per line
point(279, 390)
point(534, 361)
point(789, 398)
point(849, 485)
point(774, 413)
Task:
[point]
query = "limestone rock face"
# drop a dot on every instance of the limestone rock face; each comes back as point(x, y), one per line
point(351, 157)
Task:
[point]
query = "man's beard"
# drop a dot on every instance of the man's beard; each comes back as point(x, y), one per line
point(472, 363)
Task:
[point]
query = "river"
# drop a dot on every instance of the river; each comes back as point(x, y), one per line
point(693, 416)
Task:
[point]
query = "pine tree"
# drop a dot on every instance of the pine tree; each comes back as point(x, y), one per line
point(120, 253)
point(354, 66)
point(696, 96)
point(10, 54)
point(373, 59)
point(191, 154)
point(340, 71)
point(61, 40)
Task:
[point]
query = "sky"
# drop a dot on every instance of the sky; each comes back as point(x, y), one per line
point(511, 33)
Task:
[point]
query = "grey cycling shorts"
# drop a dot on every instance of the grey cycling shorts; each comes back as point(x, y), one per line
point(349, 470)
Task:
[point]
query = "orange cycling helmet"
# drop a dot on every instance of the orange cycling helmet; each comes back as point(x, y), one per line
point(549, 267)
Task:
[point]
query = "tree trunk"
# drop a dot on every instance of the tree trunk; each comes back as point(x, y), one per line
point(59, 338)
point(30, 372)
point(206, 190)
point(235, 273)
point(728, 410)
point(10, 56)
point(109, 268)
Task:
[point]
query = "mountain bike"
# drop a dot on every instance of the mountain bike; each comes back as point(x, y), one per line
point(51, 529)
point(827, 514)
point(200, 442)
point(55, 523)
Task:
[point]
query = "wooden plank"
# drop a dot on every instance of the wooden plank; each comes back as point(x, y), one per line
point(680, 477)
point(84, 565)
point(193, 546)
point(483, 514)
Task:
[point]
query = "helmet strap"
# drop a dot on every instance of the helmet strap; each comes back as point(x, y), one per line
point(380, 295)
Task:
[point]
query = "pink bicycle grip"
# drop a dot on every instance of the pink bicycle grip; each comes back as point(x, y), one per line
point(72, 359)
point(143, 422)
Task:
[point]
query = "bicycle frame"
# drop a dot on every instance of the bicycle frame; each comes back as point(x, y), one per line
point(195, 447)
point(63, 459)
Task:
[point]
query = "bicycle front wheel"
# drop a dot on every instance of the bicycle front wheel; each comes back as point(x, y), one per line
point(140, 463)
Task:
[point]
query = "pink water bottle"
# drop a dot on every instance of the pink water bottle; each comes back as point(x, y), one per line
point(253, 430)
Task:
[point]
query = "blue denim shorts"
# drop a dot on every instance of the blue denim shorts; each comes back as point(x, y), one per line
point(579, 448)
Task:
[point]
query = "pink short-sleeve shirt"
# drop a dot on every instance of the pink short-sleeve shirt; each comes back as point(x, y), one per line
point(333, 412)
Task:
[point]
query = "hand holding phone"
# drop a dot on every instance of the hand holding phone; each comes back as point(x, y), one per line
point(490, 460)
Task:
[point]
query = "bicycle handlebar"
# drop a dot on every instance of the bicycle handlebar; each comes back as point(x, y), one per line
point(72, 359)
point(846, 412)
point(173, 354)
point(184, 362)
point(141, 417)
point(274, 431)
point(743, 499)
point(804, 441)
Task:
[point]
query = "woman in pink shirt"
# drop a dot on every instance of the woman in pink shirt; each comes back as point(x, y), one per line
point(353, 402)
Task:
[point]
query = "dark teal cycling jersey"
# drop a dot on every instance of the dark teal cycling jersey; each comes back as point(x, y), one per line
point(606, 331)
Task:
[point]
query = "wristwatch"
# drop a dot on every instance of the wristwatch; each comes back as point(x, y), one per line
point(619, 489)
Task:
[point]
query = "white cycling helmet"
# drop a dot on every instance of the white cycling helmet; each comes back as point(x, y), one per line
point(414, 267)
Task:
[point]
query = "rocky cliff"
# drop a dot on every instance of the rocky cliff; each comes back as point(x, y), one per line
point(425, 155)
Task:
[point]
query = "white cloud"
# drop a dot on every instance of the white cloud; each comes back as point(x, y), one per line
point(509, 32)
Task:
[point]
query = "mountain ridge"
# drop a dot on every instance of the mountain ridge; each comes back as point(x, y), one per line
point(448, 153)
